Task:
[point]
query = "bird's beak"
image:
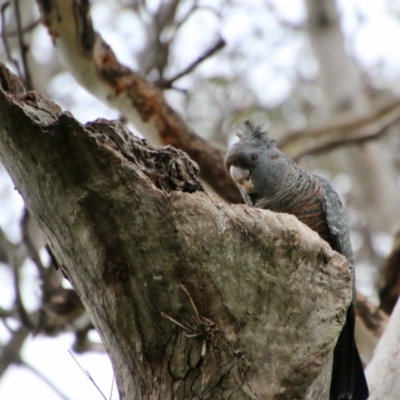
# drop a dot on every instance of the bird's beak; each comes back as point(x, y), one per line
point(242, 178)
point(239, 175)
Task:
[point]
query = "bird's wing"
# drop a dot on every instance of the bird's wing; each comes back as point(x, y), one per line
point(348, 380)
point(336, 220)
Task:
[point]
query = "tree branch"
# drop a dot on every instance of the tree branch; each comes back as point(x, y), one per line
point(23, 47)
point(10, 353)
point(94, 65)
point(383, 371)
point(4, 37)
point(371, 322)
point(351, 139)
point(89, 377)
point(389, 290)
point(167, 83)
point(384, 115)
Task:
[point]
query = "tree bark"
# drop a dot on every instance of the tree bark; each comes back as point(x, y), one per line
point(193, 298)
point(383, 371)
point(389, 290)
point(371, 323)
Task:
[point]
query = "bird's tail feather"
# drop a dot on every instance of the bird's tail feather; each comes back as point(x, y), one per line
point(348, 379)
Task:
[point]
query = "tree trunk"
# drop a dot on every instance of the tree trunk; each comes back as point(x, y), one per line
point(383, 371)
point(193, 298)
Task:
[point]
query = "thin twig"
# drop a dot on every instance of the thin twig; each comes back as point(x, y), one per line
point(112, 386)
point(167, 83)
point(195, 310)
point(5, 39)
point(45, 379)
point(189, 12)
point(28, 28)
point(88, 375)
point(194, 335)
point(7, 326)
point(5, 313)
point(342, 126)
point(32, 251)
point(23, 47)
point(174, 321)
point(205, 327)
point(345, 141)
point(23, 314)
point(10, 352)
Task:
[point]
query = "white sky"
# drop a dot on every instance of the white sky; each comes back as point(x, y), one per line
point(375, 40)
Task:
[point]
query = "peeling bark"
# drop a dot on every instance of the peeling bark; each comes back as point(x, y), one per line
point(193, 298)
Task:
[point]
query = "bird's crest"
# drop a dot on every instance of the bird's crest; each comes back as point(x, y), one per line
point(254, 130)
point(251, 128)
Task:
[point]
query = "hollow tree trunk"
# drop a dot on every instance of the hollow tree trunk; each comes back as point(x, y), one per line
point(193, 298)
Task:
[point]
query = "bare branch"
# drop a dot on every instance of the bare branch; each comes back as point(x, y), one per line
point(88, 376)
point(194, 308)
point(112, 386)
point(5, 313)
point(350, 140)
point(383, 371)
point(390, 281)
point(5, 247)
point(371, 323)
point(167, 83)
point(174, 321)
point(95, 66)
point(31, 248)
point(27, 29)
point(83, 343)
point(343, 127)
point(10, 353)
point(156, 53)
point(23, 314)
point(186, 16)
point(4, 36)
point(23, 47)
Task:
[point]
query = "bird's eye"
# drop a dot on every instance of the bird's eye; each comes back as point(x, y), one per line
point(253, 157)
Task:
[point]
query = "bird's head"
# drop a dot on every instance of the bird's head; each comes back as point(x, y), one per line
point(255, 163)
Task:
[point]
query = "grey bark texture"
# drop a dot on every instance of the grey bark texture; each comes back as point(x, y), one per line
point(193, 298)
